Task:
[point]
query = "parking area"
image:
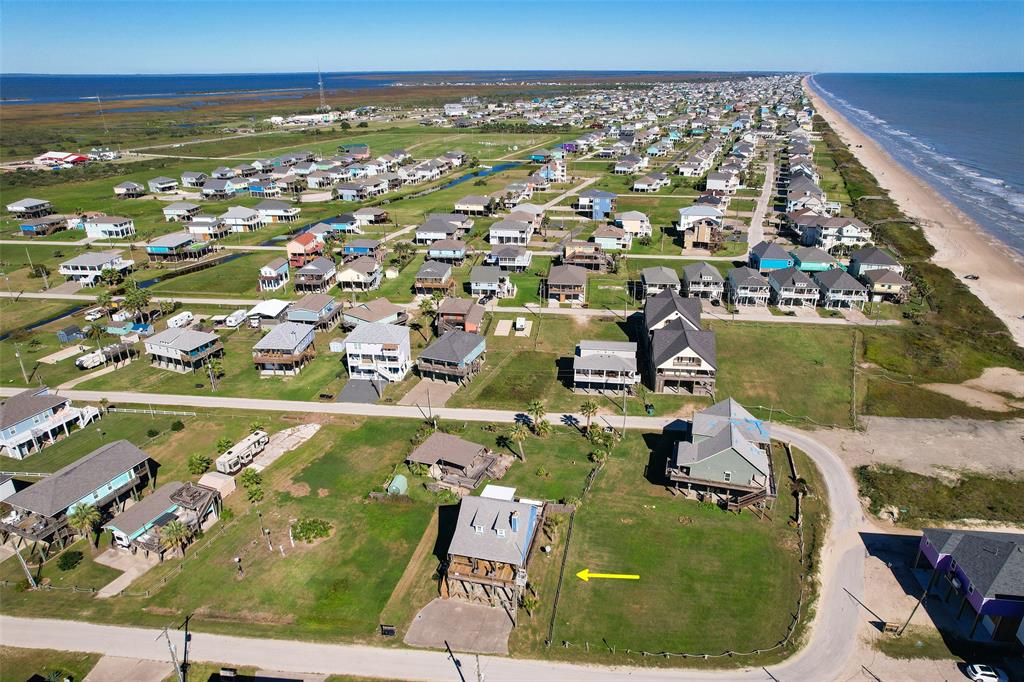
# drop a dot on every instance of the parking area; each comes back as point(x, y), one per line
point(471, 628)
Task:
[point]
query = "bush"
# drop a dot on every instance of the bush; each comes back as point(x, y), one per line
point(223, 444)
point(307, 529)
point(250, 478)
point(227, 514)
point(178, 425)
point(69, 560)
point(199, 463)
point(153, 433)
point(254, 493)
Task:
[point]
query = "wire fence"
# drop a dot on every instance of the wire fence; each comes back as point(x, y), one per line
point(782, 643)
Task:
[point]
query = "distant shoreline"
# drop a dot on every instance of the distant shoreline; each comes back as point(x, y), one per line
point(961, 244)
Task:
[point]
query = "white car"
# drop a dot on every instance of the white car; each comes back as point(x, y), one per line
point(986, 673)
point(93, 314)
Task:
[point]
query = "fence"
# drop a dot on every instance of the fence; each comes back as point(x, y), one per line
point(790, 629)
point(150, 411)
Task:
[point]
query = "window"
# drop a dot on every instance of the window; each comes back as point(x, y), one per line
point(478, 529)
point(970, 589)
point(952, 564)
point(501, 532)
point(727, 476)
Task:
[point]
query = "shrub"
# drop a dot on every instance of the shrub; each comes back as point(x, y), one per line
point(227, 514)
point(153, 433)
point(223, 444)
point(254, 493)
point(198, 463)
point(307, 529)
point(69, 560)
point(250, 478)
point(178, 425)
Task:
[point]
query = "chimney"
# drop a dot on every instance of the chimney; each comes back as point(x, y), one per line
point(513, 521)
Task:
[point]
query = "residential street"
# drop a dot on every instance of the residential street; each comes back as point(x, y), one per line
point(830, 647)
point(755, 234)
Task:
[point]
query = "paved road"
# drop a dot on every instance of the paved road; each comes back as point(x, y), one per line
point(832, 640)
point(755, 234)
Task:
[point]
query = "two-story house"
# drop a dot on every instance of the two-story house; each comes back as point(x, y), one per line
point(109, 227)
point(490, 280)
point(176, 247)
point(455, 356)
point(566, 284)
point(105, 478)
point(182, 350)
point(319, 310)
point(434, 276)
point(34, 418)
point(745, 286)
point(316, 276)
point(703, 280)
point(303, 249)
point(87, 267)
point(378, 352)
point(360, 274)
point(273, 275)
point(285, 349)
point(605, 366)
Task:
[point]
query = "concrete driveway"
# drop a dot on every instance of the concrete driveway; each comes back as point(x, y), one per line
point(472, 628)
point(439, 393)
point(117, 669)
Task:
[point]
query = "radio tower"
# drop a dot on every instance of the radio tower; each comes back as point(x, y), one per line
point(320, 84)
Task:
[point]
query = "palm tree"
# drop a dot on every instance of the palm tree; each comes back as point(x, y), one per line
point(175, 535)
point(517, 434)
point(530, 603)
point(136, 298)
point(84, 518)
point(588, 409)
point(542, 427)
point(103, 300)
point(536, 410)
point(417, 326)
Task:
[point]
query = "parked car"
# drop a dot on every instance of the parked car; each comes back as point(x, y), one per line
point(93, 314)
point(985, 673)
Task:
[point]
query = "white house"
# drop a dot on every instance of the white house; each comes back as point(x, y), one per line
point(109, 227)
point(242, 219)
point(378, 351)
point(86, 268)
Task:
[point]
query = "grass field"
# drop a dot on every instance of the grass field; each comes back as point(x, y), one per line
point(21, 665)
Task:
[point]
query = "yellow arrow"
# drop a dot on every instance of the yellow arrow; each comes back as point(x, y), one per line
point(585, 575)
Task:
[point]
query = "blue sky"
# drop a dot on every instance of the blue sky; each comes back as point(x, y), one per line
point(230, 36)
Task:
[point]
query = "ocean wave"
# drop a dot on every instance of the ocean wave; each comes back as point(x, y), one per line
point(992, 201)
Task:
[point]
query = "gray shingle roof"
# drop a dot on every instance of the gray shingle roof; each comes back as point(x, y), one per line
point(674, 338)
point(443, 447)
point(667, 303)
point(567, 274)
point(873, 256)
point(792, 277)
point(493, 515)
point(64, 487)
point(378, 332)
point(660, 275)
point(181, 339)
point(453, 346)
point(838, 278)
point(696, 271)
point(485, 274)
point(713, 419)
point(993, 562)
point(285, 336)
point(770, 251)
point(433, 269)
point(26, 404)
point(728, 438)
point(747, 277)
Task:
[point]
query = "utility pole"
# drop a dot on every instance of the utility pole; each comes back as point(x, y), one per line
point(183, 675)
point(21, 363)
point(174, 654)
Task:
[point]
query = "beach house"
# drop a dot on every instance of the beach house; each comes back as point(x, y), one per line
point(377, 351)
point(285, 349)
point(35, 418)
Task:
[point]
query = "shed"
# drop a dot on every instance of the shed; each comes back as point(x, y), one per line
point(222, 483)
point(399, 485)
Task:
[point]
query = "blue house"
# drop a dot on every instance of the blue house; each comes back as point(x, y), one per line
point(813, 259)
point(362, 247)
point(104, 478)
point(541, 156)
point(447, 250)
point(70, 334)
point(319, 310)
point(595, 203)
point(768, 256)
point(33, 419)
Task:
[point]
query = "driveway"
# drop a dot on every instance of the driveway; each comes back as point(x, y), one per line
point(117, 669)
point(429, 393)
point(473, 628)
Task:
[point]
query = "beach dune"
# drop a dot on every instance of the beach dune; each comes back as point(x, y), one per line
point(960, 243)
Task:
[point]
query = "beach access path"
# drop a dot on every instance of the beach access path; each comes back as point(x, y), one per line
point(961, 244)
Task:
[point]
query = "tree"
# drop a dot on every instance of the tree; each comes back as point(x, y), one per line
point(137, 299)
point(536, 411)
point(103, 300)
point(167, 307)
point(345, 125)
point(530, 603)
point(104, 405)
point(223, 444)
point(542, 427)
point(84, 518)
point(250, 477)
point(216, 367)
point(110, 276)
point(517, 434)
point(417, 326)
point(175, 535)
point(588, 409)
point(198, 463)
point(428, 307)
point(255, 426)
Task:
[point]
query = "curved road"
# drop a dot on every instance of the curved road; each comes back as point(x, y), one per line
point(832, 639)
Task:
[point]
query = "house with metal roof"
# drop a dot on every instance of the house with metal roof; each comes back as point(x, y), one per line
point(180, 211)
point(456, 356)
point(377, 310)
point(378, 351)
point(605, 366)
point(182, 350)
point(105, 478)
point(35, 418)
point(27, 208)
point(176, 247)
point(87, 268)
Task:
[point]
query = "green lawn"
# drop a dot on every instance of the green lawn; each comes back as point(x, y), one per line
point(239, 278)
point(20, 665)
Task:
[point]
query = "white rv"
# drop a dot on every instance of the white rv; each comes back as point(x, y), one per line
point(242, 453)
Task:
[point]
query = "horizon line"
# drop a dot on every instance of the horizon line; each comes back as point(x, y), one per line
point(518, 70)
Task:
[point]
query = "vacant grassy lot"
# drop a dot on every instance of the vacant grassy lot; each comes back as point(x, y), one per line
point(15, 314)
point(692, 560)
point(926, 499)
point(238, 277)
point(20, 665)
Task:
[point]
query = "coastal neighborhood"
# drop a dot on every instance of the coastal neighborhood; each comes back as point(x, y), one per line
point(586, 373)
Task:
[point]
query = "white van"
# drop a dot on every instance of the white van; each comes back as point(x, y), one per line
point(183, 319)
point(235, 319)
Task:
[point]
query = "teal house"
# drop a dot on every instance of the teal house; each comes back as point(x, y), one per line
point(813, 259)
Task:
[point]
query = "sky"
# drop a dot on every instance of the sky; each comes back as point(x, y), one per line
point(257, 36)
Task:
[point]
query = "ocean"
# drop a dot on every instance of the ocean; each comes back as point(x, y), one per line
point(962, 133)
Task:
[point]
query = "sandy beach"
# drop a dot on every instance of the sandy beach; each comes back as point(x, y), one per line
point(960, 243)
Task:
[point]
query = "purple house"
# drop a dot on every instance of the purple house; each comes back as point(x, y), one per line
point(986, 569)
point(569, 147)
